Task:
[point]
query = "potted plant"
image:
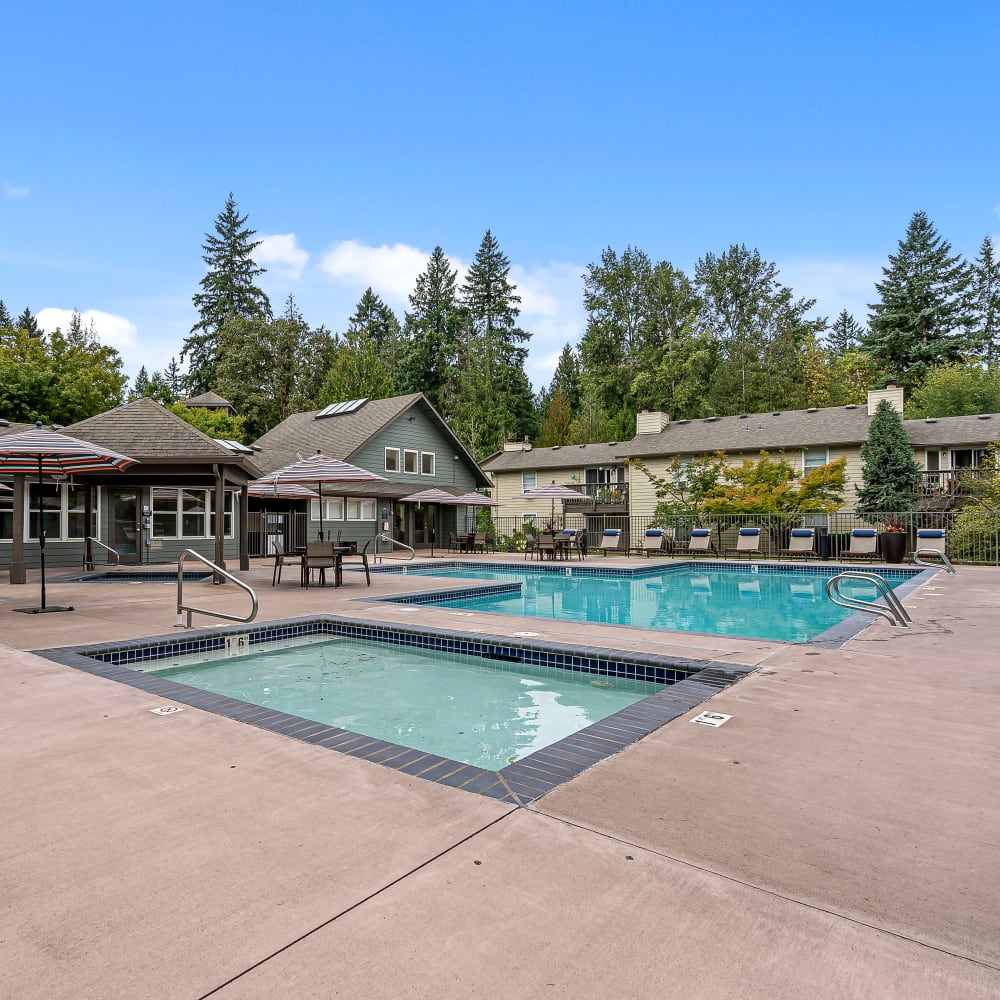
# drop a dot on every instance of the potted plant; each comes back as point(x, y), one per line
point(893, 539)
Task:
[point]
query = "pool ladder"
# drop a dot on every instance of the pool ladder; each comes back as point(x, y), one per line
point(379, 556)
point(88, 553)
point(893, 611)
point(182, 607)
point(948, 564)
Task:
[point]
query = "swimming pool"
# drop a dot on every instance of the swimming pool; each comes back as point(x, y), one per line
point(679, 685)
point(756, 601)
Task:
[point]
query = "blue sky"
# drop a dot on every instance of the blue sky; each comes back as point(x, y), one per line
point(358, 138)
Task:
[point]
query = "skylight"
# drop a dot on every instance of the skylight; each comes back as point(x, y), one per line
point(234, 446)
point(338, 409)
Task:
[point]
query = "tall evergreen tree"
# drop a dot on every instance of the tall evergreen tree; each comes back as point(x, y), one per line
point(761, 332)
point(430, 356)
point(493, 395)
point(567, 378)
point(6, 320)
point(174, 379)
point(844, 335)
point(986, 303)
point(889, 471)
point(141, 385)
point(28, 323)
point(228, 291)
point(925, 311)
point(557, 424)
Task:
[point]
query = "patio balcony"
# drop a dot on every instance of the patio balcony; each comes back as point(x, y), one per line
point(604, 498)
point(948, 482)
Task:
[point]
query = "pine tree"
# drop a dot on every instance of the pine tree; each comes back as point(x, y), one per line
point(228, 291)
point(925, 312)
point(889, 471)
point(6, 320)
point(174, 379)
point(430, 357)
point(140, 387)
point(986, 297)
point(28, 323)
point(844, 335)
point(567, 378)
point(558, 422)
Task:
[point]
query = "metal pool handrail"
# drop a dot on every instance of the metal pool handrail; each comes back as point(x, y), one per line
point(895, 613)
point(89, 563)
point(948, 564)
point(181, 606)
point(390, 555)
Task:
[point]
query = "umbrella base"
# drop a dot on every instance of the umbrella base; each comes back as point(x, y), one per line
point(41, 611)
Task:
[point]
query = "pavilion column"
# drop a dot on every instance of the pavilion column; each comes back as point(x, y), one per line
point(18, 571)
point(244, 527)
point(88, 517)
point(219, 506)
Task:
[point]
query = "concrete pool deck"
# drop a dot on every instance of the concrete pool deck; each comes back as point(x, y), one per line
point(838, 837)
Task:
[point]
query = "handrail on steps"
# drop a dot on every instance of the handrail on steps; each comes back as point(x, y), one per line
point(181, 606)
point(895, 613)
point(379, 556)
point(88, 564)
point(948, 564)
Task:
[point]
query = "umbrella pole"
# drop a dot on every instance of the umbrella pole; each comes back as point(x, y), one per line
point(319, 489)
point(41, 528)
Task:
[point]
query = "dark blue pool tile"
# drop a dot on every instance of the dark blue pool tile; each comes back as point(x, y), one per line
point(486, 780)
point(442, 770)
point(424, 763)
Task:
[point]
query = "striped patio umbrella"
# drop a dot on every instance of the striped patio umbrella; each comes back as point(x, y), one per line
point(429, 496)
point(50, 453)
point(319, 470)
point(4, 488)
point(552, 492)
point(473, 500)
point(283, 491)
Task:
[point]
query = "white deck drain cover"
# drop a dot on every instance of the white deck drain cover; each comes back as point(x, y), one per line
point(167, 710)
point(527, 635)
point(711, 719)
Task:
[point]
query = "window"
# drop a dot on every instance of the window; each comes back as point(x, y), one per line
point(410, 461)
point(933, 463)
point(392, 460)
point(528, 520)
point(333, 510)
point(813, 458)
point(187, 513)
point(967, 458)
point(6, 516)
point(61, 511)
point(528, 481)
point(427, 463)
point(361, 510)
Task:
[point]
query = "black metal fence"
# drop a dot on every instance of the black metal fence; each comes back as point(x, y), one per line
point(972, 535)
point(267, 531)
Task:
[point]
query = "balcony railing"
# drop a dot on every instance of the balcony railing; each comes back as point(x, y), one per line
point(948, 481)
point(603, 494)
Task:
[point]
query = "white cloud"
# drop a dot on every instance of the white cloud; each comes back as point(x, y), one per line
point(115, 331)
point(390, 271)
point(13, 191)
point(281, 254)
point(847, 283)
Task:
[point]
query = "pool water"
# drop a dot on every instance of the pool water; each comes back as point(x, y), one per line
point(782, 605)
point(480, 711)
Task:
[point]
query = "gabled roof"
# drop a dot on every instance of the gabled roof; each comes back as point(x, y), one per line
point(342, 435)
point(11, 427)
point(148, 432)
point(567, 456)
point(208, 399)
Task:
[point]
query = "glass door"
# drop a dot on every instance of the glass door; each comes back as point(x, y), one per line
point(124, 523)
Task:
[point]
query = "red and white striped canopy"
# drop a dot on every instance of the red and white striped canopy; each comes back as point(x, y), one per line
point(474, 500)
point(53, 454)
point(283, 491)
point(433, 495)
point(4, 488)
point(552, 492)
point(320, 470)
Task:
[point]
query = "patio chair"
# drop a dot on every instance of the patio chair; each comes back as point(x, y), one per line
point(802, 542)
point(361, 557)
point(567, 543)
point(546, 546)
point(611, 541)
point(863, 543)
point(747, 542)
point(479, 542)
point(319, 556)
point(281, 559)
point(454, 545)
point(530, 546)
point(700, 542)
point(931, 538)
point(654, 540)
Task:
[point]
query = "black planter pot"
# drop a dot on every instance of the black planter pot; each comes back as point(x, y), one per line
point(893, 544)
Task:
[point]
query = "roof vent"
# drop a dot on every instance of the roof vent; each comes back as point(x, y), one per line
point(612, 442)
point(686, 420)
point(777, 413)
point(743, 416)
point(555, 447)
point(983, 416)
point(338, 409)
point(850, 406)
point(583, 446)
point(812, 409)
point(4, 423)
point(709, 420)
point(930, 420)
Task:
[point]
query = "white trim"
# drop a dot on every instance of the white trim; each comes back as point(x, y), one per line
point(407, 452)
point(808, 468)
point(399, 460)
point(357, 505)
point(433, 457)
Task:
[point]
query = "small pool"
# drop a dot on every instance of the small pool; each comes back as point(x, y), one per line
point(507, 719)
point(756, 601)
point(138, 576)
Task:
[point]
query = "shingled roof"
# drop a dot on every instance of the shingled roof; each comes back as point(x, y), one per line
point(209, 400)
point(824, 427)
point(148, 432)
point(339, 436)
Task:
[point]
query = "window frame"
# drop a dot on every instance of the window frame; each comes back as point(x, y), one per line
point(358, 504)
point(207, 515)
point(399, 460)
point(415, 455)
point(61, 511)
point(524, 481)
point(433, 457)
point(806, 467)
